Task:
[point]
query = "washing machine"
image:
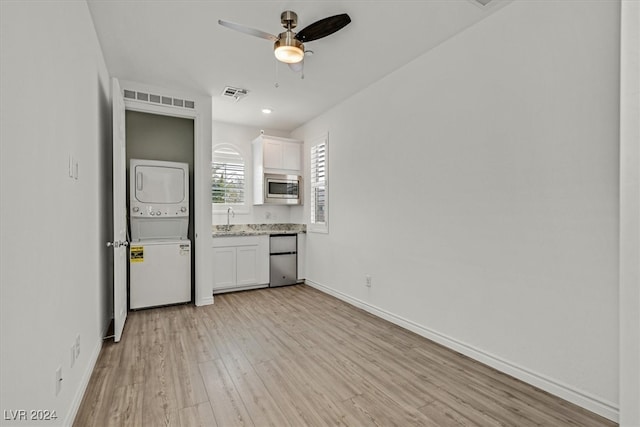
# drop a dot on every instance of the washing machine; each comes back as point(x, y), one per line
point(160, 273)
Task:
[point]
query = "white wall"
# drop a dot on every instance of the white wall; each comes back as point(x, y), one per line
point(478, 186)
point(240, 137)
point(54, 279)
point(630, 215)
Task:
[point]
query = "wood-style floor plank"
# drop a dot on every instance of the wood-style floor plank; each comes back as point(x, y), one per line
point(127, 406)
point(296, 356)
point(297, 411)
point(228, 407)
point(200, 415)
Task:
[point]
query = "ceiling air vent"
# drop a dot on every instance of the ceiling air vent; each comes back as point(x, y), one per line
point(233, 92)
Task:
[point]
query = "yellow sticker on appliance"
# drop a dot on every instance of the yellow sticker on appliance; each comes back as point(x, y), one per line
point(137, 254)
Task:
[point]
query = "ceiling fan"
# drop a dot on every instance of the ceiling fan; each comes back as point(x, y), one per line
point(288, 46)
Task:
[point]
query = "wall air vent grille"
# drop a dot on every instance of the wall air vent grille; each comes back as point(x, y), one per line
point(235, 93)
point(152, 98)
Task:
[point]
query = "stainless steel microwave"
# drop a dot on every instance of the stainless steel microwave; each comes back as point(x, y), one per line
point(282, 189)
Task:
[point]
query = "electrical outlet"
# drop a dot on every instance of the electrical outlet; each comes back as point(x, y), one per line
point(73, 355)
point(367, 279)
point(77, 346)
point(58, 380)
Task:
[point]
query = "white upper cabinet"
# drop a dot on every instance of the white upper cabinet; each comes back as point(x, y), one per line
point(277, 155)
point(272, 154)
point(292, 156)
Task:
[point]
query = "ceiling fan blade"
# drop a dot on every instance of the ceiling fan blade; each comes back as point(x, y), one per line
point(323, 28)
point(247, 30)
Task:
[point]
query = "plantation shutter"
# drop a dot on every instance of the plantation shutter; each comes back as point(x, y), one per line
point(319, 186)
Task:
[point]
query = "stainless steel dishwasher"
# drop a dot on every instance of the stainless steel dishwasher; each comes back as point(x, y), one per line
point(283, 259)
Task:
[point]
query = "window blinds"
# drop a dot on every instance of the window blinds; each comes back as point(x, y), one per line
point(227, 177)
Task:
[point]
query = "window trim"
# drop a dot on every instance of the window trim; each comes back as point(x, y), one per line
point(322, 227)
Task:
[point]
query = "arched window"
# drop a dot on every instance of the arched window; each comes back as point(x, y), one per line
point(227, 176)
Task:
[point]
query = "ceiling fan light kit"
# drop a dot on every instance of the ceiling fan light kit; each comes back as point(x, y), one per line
point(288, 49)
point(288, 45)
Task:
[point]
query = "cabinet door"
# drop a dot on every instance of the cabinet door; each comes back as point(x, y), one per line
point(262, 261)
point(246, 270)
point(224, 267)
point(272, 154)
point(302, 247)
point(291, 158)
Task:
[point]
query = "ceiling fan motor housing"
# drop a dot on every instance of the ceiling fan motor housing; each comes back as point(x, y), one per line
point(289, 19)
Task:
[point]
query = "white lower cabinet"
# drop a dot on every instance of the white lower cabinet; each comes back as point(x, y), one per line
point(240, 262)
point(247, 265)
point(224, 268)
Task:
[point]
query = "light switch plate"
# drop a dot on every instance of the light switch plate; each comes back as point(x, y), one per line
point(58, 380)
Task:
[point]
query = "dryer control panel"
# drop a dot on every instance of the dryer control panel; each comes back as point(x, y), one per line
point(147, 210)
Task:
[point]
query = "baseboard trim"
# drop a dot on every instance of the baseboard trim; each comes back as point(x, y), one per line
point(591, 403)
point(204, 301)
point(84, 383)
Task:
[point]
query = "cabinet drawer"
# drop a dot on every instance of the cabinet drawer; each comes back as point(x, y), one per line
point(221, 242)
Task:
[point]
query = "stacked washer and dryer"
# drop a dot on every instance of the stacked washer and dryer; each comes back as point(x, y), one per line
point(160, 251)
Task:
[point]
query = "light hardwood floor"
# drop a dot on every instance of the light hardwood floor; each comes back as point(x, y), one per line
point(294, 356)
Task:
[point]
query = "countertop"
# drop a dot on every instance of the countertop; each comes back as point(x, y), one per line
point(257, 229)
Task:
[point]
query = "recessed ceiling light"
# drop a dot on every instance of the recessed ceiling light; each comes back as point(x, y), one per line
point(267, 110)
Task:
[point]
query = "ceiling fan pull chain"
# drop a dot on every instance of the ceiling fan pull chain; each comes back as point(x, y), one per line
point(277, 85)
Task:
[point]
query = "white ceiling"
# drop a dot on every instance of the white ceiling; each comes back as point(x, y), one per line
point(178, 45)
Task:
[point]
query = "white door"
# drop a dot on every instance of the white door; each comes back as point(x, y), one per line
point(119, 243)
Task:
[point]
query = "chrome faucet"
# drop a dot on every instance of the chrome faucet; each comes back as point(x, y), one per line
point(230, 213)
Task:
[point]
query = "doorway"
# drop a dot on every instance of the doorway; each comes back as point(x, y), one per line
point(168, 138)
